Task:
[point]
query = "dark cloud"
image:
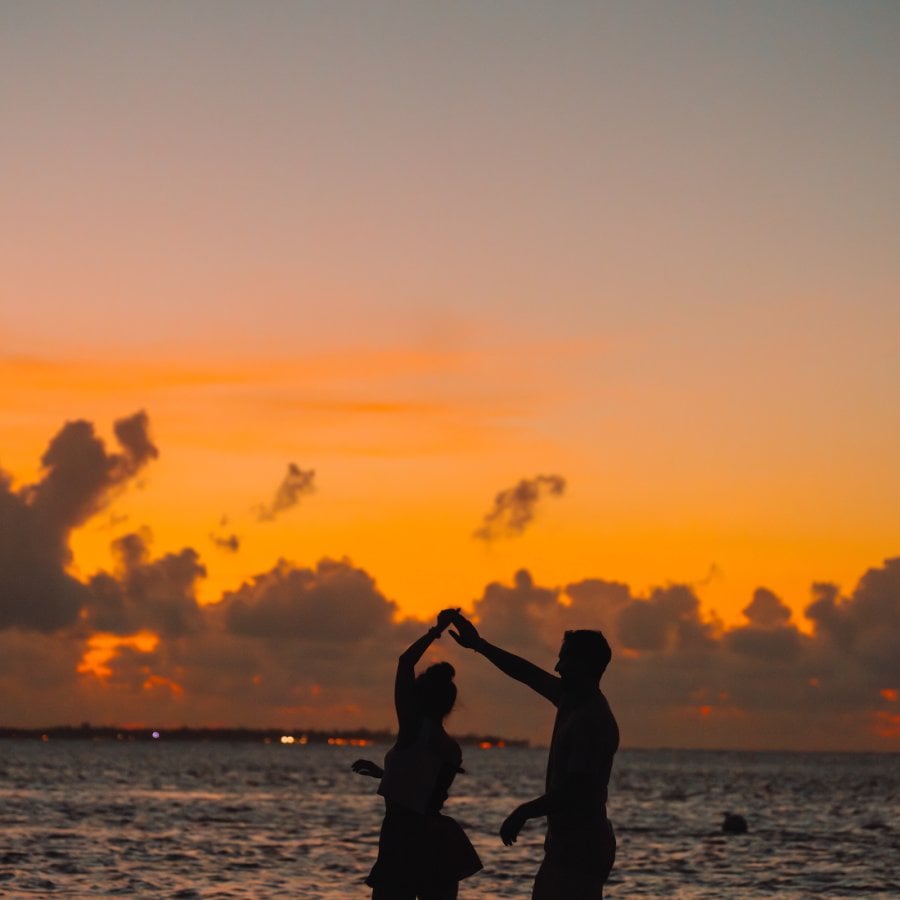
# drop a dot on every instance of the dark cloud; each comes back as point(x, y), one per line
point(766, 610)
point(668, 620)
point(35, 667)
point(519, 612)
point(79, 477)
point(294, 645)
point(680, 676)
point(132, 433)
point(768, 637)
point(858, 636)
point(229, 543)
point(333, 602)
point(158, 595)
point(296, 483)
point(514, 508)
point(765, 644)
point(316, 645)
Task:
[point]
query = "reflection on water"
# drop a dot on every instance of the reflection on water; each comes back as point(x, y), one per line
point(216, 820)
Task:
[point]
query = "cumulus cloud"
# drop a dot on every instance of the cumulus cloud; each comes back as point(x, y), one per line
point(514, 508)
point(292, 646)
point(316, 645)
point(159, 595)
point(680, 676)
point(333, 602)
point(78, 479)
point(766, 610)
point(668, 620)
point(296, 483)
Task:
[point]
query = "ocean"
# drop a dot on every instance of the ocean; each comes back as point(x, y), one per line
point(241, 820)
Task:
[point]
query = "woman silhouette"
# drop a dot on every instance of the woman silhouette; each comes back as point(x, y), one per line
point(421, 853)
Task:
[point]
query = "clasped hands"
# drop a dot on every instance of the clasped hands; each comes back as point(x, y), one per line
point(466, 634)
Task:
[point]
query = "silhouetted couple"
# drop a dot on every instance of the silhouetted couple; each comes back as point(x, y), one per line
point(424, 854)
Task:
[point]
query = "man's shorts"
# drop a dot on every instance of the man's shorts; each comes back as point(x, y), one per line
point(576, 864)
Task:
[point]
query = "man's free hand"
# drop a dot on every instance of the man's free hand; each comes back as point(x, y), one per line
point(466, 634)
point(511, 827)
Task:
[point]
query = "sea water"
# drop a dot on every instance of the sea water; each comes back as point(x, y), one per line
point(241, 820)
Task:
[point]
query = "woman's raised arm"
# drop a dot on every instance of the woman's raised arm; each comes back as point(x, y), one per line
point(406, 666)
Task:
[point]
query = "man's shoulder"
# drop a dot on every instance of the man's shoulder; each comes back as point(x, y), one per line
point(595, 707)
point(596, 717)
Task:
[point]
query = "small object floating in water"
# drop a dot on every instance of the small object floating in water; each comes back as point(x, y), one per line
point(734, 824)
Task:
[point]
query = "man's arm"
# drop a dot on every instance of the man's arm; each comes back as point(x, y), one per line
point(547, 685)
point(575, 786)
point(567, 795)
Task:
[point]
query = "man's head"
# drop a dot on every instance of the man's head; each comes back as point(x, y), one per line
point(583, 658)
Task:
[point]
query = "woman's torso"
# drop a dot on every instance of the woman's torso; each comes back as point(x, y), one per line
point(419, 769)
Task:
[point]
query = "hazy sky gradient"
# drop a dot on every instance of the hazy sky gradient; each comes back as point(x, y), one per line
point(430, 250)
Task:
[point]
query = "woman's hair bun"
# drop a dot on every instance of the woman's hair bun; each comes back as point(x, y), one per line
point(436, 690)
point(441, 673)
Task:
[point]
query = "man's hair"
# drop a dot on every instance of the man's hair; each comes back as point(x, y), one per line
point(591, 648)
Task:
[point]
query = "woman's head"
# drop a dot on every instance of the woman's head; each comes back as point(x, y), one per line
point(435, 690)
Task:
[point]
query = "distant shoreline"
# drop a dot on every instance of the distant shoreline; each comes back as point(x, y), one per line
point(357, 737)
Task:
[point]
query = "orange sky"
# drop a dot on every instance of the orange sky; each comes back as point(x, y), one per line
point(428, 254)
point(409, 449)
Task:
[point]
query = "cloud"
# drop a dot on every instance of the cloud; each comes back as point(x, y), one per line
point(667, 621)
point(293, 645)
point(230, 543)
point(333, 602)
point(680, 677)
point(766, 610)
point(514, 508)
point(296, 483)
point(79, 478)
point(158, 595)
point(316, 645)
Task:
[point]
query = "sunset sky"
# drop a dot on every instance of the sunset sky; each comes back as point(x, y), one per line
point(579, 314)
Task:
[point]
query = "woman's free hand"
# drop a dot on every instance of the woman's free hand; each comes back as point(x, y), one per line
point(367, 767)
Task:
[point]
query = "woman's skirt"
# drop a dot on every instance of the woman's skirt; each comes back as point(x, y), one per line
point(421, 851)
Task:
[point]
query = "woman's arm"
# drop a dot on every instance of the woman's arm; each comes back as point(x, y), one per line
point(406, 666)
point(367, 767)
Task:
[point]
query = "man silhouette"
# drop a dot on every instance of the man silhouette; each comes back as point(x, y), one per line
point(580, 847)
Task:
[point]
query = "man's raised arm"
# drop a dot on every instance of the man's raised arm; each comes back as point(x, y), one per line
point(547, 685)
